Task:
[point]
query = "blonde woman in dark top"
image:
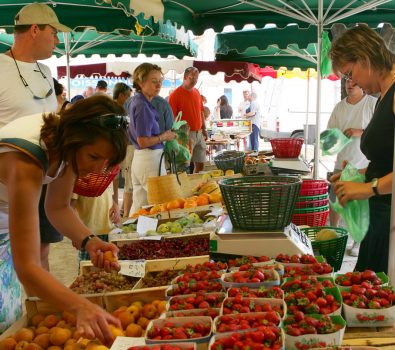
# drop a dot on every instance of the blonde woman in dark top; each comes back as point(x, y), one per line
point(360, 54)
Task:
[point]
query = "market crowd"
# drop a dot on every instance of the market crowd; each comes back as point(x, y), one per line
point(46, 143)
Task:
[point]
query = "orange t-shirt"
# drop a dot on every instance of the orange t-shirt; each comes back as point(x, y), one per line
point(191, 105)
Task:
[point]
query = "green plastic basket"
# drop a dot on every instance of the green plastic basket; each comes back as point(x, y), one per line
point(311, 210)
point(260, 202)
point(332, 249)
point(230, 160)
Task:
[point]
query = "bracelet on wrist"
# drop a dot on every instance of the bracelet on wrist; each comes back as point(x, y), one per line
point(86, 240)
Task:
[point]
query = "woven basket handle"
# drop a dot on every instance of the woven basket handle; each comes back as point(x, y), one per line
point(171, 158)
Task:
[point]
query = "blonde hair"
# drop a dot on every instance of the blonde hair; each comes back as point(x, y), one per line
point(141, 73)
point(363, 44)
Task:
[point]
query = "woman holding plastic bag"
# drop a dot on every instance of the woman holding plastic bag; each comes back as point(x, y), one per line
point(361, 54)
point(144, 131)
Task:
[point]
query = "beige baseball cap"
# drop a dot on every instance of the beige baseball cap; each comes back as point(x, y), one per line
point(37, 13)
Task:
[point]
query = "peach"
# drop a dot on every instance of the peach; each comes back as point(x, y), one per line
point(8, 344)
point(36, 319)
point(126, 318)
point(134, 330)
point(62, 324)
point(109, 256)
point(50, 321)
point(21, 345)
point(26, 334)
point(59, 336)
point(42, 330)
point(42, 340)
point(69, 318)
point(162, 306)
point(33, 346)
point(116, 332)
point(143, 322)
point(149, 311)
point(135, 311)
point(119, 310)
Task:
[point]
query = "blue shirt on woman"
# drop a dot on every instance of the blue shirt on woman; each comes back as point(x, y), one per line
point(144, 120)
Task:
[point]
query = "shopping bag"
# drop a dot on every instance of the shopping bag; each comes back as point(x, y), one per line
point(332, 141)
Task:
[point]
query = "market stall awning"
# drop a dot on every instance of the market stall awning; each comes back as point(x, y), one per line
point(199, 15)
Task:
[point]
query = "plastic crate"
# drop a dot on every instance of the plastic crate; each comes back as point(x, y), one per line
point(311, 219)
point(286, 147)
point(332, 249)
point(94, 184)
point(313, 188)
point(260, 202)
point(230, 160)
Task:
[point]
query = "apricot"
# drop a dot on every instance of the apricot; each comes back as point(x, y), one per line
point(126, 318)
point(33, 346)
point(116, 332)
point(21, 345)
point(92, 345)
point(138, 303)
point(77, 334)
point(69, 318)
point(135, 311)
point(134, 330)
point(83, 342)
point(8, 344)
point(162, 306)
point(59, 336)
point(25, 334)
point(202, 200)
point(53, 347)
point(100, 347)
point(109, 256)
point(119, 310)
point(42, 340)
point(143, 322)
point(190, 204)
point(62, 324)
point(42, 330)
point(50, 321)
point(74, 346)
point(70, 341)
point(149, 311)
point(36, 319)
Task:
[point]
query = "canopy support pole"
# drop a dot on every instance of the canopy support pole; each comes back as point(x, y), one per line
point(391, 255)
point(318, 116)
point(66, 37)
point(306, 128)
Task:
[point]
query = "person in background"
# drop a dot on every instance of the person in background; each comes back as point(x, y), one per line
point(255, 116)
point(28, 88)
point(62, 102)
point(351, 115)
point(204, 100)
point(186, 99)
point(225, 110)
point(166, 117)
point(245, 104)
point(56, 149)
point(361, 54)
point(101, 87)
point(144, 131)
point(122, 95)
point(88, 92)
point(207, 119)
point(76, 98)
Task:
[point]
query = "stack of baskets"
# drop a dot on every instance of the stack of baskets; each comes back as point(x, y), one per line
point(312, 206)
point(260, 202)
point(287, 147)
point(230, 160)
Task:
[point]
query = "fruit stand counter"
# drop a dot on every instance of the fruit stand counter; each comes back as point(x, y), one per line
point(380, 337)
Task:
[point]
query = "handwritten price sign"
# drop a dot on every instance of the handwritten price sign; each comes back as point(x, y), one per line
point(132, 268)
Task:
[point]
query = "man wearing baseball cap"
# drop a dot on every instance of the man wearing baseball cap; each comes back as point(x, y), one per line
point(27, 88)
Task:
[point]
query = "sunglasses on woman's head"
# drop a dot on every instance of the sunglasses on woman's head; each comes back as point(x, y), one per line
point(111, 121)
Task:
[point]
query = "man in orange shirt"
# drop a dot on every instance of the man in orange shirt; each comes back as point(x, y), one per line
point(186, 99)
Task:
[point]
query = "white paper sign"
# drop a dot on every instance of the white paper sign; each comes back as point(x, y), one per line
point(216, 211)
point(145, 224)
point(123, 343)
point(129, 221)
point(115, 231)
point(133, 268)
point(151, 238)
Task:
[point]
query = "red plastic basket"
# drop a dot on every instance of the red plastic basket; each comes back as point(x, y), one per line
point(312, 204)
point(313, 187)
point(94, 184)
point(286, 147)
point(311, 219)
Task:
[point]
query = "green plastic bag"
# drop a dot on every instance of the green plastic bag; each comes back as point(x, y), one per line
point(356, 212)
point(332, 141)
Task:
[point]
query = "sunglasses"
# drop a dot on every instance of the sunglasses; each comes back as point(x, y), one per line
point(348, 76)
point(110, 121)
point(25, 83)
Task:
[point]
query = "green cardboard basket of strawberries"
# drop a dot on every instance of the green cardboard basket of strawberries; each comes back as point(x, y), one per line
point(262, 338)
point(252, 320)
point(323, 301)
point(261, 292)
point(317, 269)
point(357, 277)
point(187, 329)
point(254, 277)
point(366, 306)
point(183, 288)
point(211, 312)
point(240, 305)
point(310, 331)
point(195, 301)
point(291, 284)
point(169, 346)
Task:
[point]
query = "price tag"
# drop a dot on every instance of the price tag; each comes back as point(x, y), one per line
point(129, 221)
point(132, 268)
point(115, 230)
point(122, 343)
point(145, 224)
point(151, 238)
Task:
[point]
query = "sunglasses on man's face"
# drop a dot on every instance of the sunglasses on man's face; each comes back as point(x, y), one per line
point(111, 121)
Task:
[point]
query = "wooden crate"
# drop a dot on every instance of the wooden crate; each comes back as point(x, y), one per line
point(200, 210)
point(380, 337)
point(174, 263)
